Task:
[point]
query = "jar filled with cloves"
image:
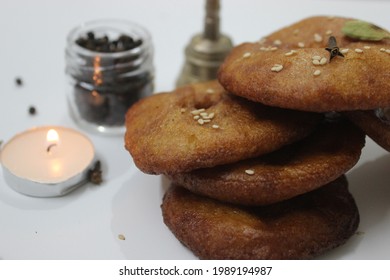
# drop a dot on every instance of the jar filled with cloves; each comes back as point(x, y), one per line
point(109, 66)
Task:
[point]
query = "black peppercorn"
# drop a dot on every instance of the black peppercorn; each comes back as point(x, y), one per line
point(91, 35)
point(32, 111)
point(18, 81)
point(104, 44)
point(107, 78)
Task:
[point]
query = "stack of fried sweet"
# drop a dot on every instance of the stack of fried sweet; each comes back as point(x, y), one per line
point(257, 158)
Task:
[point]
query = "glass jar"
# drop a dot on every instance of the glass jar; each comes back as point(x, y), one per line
point(109, 66)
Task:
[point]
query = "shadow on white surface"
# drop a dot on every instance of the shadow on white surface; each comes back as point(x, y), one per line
point(370, 186)
point(137, 216)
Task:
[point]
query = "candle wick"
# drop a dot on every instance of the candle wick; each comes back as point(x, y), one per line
point(50, 146)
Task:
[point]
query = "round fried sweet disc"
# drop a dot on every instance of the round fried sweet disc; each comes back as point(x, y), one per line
point(304, 78)
point(320, 158)
point(301, 228)
point(377, 129)
point(201, 126)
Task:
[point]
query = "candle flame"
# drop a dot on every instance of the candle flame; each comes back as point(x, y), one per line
point(97, 73)
point(52, 136)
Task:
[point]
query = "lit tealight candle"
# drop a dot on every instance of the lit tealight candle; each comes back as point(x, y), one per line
point(47, 161)
point(52, 139)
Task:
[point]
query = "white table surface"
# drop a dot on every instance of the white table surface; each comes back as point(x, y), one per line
point(86, 223)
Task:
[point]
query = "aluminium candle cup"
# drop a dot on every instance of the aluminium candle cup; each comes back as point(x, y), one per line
point(35, 166)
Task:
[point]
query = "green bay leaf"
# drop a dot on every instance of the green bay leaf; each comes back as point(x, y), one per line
point(362, 30)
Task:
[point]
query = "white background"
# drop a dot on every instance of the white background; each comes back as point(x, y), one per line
point(86, 223)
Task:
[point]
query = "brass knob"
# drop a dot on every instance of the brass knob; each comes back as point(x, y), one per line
point(206, 51)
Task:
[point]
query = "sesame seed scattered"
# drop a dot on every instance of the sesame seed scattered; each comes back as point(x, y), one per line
point(277, 68)
point(317, 73)
point(268, 49)
point(367, 47)
point(358, 50)
point(323, 61)
point(382, 49)
point(328, 32)
point(316, 57)
point(215, 126)
point(317, 38)
point(344, 51)
point(301, 44)
point(209, 116)
point(388, 51)
point(210, 90)
point(277, 42)
point(249, 171)
point(262, 40)
point(318, 60)
point(197, 112)
point(246, 55)
point(202, 117)
point(121, 237)
point(290, 53)
point(182, 110)
point(296, 31)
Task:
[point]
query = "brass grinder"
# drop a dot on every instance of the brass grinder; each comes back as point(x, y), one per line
point(206, 51)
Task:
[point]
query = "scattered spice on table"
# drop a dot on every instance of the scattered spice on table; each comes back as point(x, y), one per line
point(32, 110)
point(95, 174)
point(18, 81)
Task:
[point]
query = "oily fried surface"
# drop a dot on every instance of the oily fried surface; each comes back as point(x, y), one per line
point(300, 228)
point(163, 137)
point(376, 129)
point(356, 82)
point(323, 156)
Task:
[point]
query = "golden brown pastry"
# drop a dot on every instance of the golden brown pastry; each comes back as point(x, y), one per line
point(323, 156)
point(373, 125)
point(201, 126)
point(300, 228)
point(282, 72)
